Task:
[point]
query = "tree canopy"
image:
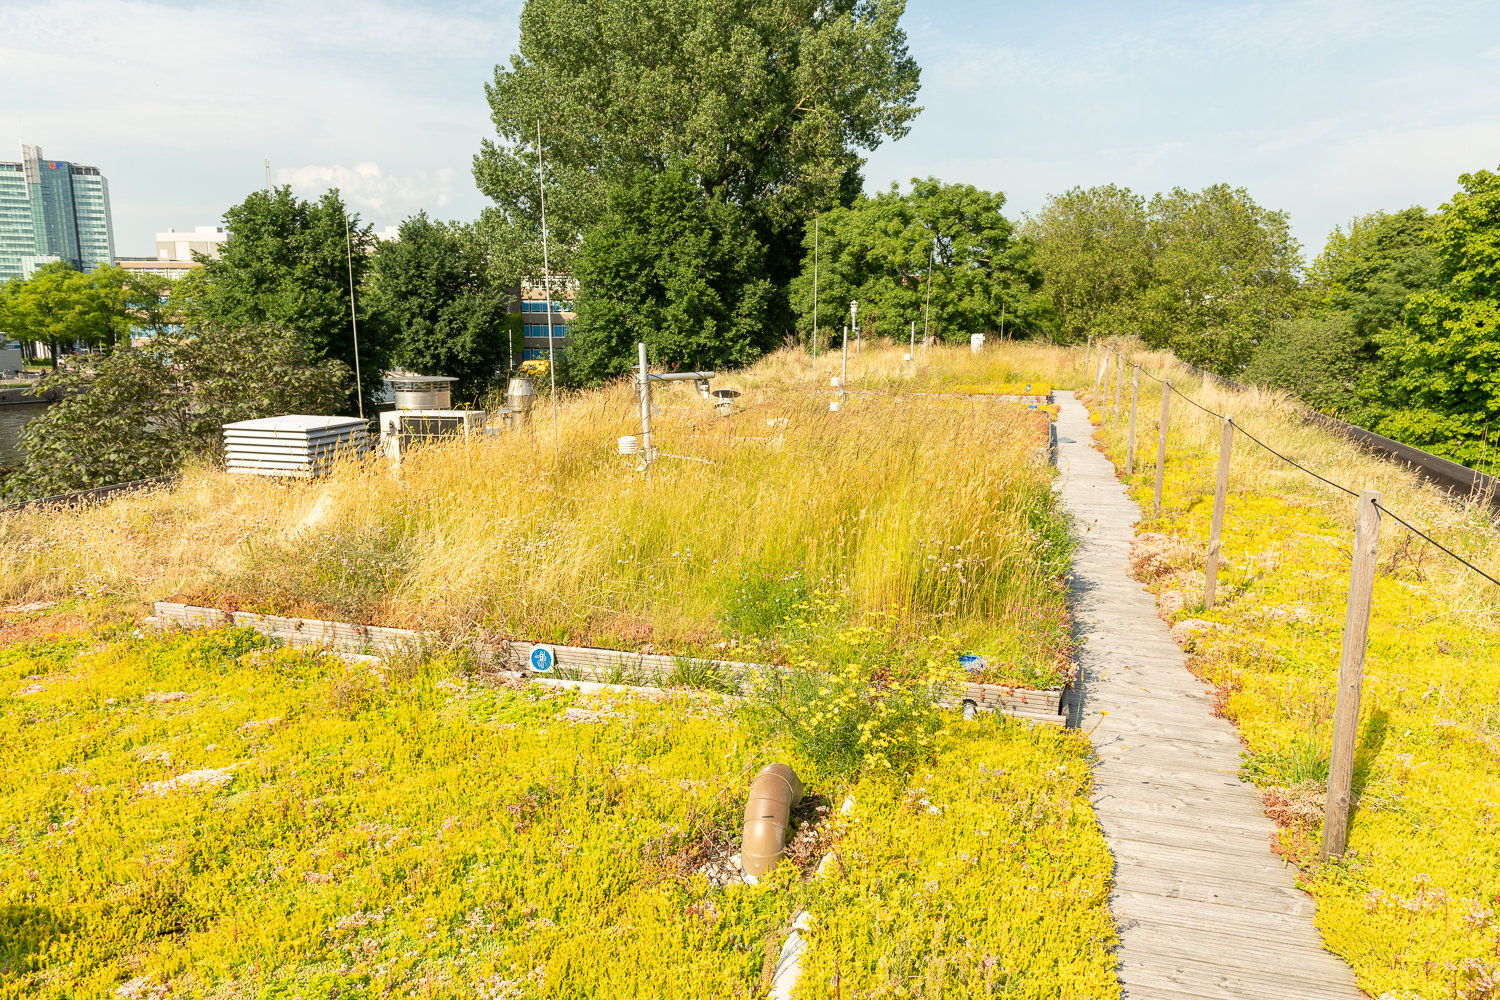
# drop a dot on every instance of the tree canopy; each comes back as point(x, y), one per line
point(1205, 273)
point(1442, 363)
point(891, 250)
point(444, 316)
point(59, 306)
point(1093, 248)
point(286, 264)
point(677, 269)
point(672, 266)
point(764, 107)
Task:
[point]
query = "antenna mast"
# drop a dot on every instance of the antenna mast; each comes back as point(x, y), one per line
point(359, 389)
point(547, 290)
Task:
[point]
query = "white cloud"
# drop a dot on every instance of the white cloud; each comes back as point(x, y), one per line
point(369, 190)
point(180, 103)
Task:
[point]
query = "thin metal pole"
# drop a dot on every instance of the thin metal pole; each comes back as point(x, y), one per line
point(547, 290)
point(1351, 674)
point(815, 297)
point(645, 387)
point(844, 379)
point(927, 309)
point(1216, 528)
point(359, 389)
point(1161, 444)
point(1135, 390)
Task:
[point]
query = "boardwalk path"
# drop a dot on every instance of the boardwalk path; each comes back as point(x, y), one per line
point(1204, 908)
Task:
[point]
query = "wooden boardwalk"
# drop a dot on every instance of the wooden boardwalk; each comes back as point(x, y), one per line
point(1203, 906)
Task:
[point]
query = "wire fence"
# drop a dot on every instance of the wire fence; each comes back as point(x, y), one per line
point(1168, 386)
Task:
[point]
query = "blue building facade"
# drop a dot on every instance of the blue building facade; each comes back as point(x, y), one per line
point(52, 210)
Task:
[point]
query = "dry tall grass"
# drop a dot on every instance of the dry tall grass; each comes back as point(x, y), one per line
point(933, 510)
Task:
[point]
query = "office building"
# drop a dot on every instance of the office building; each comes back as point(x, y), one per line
point(52, 210)
point(531, 303)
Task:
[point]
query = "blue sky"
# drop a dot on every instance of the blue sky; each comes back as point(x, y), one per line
point(1324, 109)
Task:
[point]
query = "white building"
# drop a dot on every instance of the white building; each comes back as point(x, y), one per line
point(180, 247)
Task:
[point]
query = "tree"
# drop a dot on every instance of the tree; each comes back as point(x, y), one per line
point(765, 106)
point(137, 414)
point(1442, 364)
point(1319, 358)
point(285, 264)
point(676, 268)
point(1371, 271)
point(58, 306)
point(147, 305)
point(887, 250)
point(1223, 270)
point(1093, 250)
point(432, 289)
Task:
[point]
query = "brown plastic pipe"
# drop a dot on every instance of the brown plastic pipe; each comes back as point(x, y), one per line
point(773, 793)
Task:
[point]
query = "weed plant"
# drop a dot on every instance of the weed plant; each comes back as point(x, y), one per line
point(1412, 906)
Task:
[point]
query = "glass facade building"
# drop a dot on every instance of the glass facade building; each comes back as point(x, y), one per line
point(52, 210)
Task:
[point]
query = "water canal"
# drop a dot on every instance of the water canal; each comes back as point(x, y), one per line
point(13, 416)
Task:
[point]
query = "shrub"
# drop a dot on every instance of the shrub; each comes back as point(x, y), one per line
point(846, 722)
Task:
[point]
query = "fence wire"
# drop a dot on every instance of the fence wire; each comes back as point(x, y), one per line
point(1338, 486)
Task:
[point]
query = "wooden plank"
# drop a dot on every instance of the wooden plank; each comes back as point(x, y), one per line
point(1204, 907)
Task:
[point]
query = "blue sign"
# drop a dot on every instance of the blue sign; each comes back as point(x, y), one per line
point(541, 659)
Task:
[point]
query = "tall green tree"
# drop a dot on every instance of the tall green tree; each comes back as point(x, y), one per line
point(432, 289)
point(1093, 249)
point(1442, 364)
point(766, 106)
point(286, 264)
point(1356, 289)
point(1223, 273)
point(1369, 272)
point(147, 305)
point(677, 268)
point(59, 306)
point(949, 243)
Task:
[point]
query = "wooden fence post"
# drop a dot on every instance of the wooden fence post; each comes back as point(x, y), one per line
point(1351, 674)
point(1135, 388)
point(1119, 377)
point(1161, 444)
point(1221, 492)
point(1088, 350)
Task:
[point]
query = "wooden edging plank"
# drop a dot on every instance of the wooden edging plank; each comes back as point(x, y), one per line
point(589, 663)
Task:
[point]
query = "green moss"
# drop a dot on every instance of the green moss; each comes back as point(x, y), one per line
point(202, 811)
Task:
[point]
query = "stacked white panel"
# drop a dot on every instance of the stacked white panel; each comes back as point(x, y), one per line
point(296, 445)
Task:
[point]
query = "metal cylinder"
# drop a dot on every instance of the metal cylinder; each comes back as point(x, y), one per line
point(773, 793)
point(519, 395)
point(425, 398)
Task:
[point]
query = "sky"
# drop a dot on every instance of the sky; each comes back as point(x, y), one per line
point(1326, 110)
